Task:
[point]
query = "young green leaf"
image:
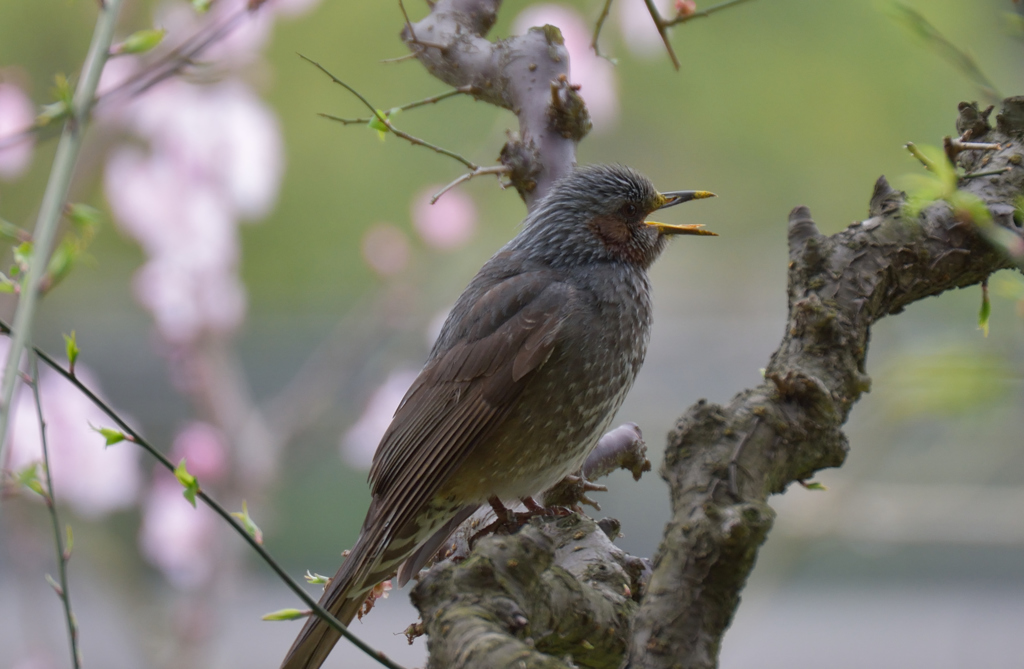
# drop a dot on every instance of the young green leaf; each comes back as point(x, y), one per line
point(248, 524)
point(986, 309)
point(201, 6)
point(71, 350)
point(140, 41)
point(188, 481)
point(111, 435)
point(84, 218)
point(316, 579)
point(286, 614)
point(376, 124)
point(55, 585)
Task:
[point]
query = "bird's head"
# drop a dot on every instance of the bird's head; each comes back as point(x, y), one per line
point(600, 212)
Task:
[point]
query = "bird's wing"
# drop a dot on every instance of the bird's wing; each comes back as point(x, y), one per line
point(465, 392)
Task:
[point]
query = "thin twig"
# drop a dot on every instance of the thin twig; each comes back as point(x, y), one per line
point(597, 31)
point(386, 123)
point(990, 173)
point(51, 504)
point(663, 25)
point(660, 24)
point(480, 171)
point(399, 59)
point(408, 23)
point(461, 90)
point(137, 438)
point(52, 205)
point(704, 13)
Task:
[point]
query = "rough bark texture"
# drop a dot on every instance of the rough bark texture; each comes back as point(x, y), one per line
point(526, 74)
point(722, 462)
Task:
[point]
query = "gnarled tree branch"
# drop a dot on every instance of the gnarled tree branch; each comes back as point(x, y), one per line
point(722, 462)
point(526, 74)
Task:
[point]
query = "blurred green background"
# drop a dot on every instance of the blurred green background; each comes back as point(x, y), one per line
point(778, 103)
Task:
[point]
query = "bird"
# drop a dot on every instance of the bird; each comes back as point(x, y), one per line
point(528, 371)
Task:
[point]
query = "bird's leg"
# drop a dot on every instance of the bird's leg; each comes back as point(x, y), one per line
point(504, 519)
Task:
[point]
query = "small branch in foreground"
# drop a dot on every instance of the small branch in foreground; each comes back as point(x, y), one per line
point(52, 205)
point(63, 554)
point(383, 119)
point(497, 169)
point(133, 436)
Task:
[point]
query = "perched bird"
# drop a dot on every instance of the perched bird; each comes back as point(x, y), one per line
point(529, 369)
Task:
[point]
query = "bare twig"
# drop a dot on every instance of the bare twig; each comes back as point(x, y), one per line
point(497, 169)
point(664, 24)
point(704, 13)
point(400, 59)
point(63, 555)
point(597, 31)
point(137, 438)
point(434, 99)
point(384, 119)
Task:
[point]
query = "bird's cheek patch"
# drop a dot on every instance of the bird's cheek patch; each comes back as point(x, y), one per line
point(611, 230)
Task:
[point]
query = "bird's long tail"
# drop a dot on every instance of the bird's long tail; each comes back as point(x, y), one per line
point(343, 598)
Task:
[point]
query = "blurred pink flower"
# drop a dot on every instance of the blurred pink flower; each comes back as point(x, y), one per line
point(204, 449)
point(595, 75)
point(94, 479)
point(447, 224)
point(176, 538)
point(638, 29)
point(386, 249)
point(360, 442)
point(16, 115)
point(215, 155)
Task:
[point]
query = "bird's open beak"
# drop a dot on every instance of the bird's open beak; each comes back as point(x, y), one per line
point(678, 197)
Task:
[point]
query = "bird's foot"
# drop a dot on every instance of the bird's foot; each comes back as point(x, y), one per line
point(508, 521)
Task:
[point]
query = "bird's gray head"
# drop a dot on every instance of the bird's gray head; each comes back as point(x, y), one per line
point(598, 214)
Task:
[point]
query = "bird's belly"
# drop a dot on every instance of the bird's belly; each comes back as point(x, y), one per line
point(547, 437)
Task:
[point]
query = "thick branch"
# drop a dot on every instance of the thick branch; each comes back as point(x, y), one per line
point(526, 74)
point(723, 462)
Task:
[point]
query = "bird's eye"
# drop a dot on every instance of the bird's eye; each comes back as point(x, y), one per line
point(630, 209)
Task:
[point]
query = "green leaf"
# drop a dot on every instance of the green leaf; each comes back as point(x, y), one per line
point(286, 614)
point(376, 124)
point(140, 41)
point(61, 262)
point(985, 312)
point(111, 435)
point(6, 285)
point(248, 524)
point(29, 477)
point(71, 348)
point(316, 579)
point(12, 232)
point(189, 482)
point(201, 6)
point(813, 485)
point(22, 256)
point(85, 218)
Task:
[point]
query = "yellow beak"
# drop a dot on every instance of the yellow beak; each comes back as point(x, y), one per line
point(678, 197)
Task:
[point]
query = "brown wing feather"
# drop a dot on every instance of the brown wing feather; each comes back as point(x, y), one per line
point(465, 392)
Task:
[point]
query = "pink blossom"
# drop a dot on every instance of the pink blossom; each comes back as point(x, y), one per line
point(175, 537)
point(215, 156)
point(16, 115)
point(94, 479)
point(447, 224)
point(595, 75)
point(204, 449)
point(360, 442)
point(638, 29)
point(386, 249)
